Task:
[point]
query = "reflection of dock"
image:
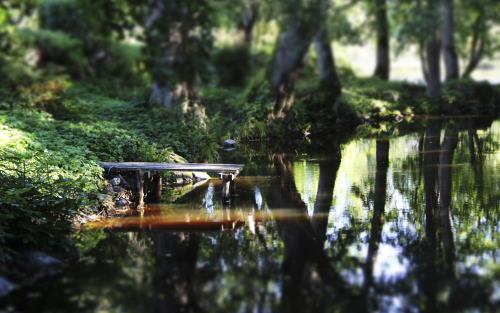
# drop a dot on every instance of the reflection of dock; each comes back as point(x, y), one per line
point(227, 173)
point(200, 220)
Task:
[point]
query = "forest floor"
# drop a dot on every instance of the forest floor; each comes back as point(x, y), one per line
point(54, 133)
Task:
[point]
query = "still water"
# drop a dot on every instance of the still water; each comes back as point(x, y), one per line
point(407, 221)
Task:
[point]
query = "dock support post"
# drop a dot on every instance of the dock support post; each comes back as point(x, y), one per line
point(227, 187)
point(140, 188)
point(156, 196)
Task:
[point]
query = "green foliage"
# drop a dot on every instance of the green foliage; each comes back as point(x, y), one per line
point(178, 39)
point(58, 48)
point(63, 16)
point(470, 97)
point(307, 15)
point(232, 65)
point(413, 21)
point(477, 18)
point(49, 162)
point(78, 34)
point(45, 179)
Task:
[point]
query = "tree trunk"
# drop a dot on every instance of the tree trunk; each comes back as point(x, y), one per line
point(293, 45)
point(164, 95)
point(249, 19)
point(448, 38)
point(477, 46)
point(432, 51)
point(329, 79)
point(382, 67)
point(168, 57)
point(433, 70)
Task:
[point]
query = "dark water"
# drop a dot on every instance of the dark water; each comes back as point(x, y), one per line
point(405, 223)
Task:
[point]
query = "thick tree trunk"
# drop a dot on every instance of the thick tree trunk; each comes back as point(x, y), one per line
point(448, 40)
point(293, 45)
point(382, 67)
point(329, 79)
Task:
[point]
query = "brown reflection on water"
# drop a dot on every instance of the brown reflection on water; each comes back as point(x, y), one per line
point(192, 220)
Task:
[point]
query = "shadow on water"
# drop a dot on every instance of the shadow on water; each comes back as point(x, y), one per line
point(388, 224)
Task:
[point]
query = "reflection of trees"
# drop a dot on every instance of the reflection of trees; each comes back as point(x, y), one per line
point(303, 239)
point(436, 255)
point(436, 260)
point(327, 174)
point(430, 163)
point(377, 221)
point(445, 186)
point(175, 256)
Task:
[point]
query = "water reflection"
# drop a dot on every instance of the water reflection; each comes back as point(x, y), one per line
point(390, 224)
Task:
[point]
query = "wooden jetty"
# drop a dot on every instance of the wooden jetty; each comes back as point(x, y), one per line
point(227, 173)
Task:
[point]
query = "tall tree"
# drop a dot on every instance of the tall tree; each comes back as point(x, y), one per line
point(292, 47)
point(382, 66)
point(448, 40)
point(300, 21)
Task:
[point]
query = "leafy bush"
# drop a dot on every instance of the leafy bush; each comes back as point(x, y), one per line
point(44, 182)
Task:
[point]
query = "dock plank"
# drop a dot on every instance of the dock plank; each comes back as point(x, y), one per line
point(180, 167)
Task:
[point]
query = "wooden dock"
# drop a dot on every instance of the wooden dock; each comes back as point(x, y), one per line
point(227, 173)
point(177, 167)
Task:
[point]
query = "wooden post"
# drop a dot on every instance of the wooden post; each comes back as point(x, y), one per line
point(140, 188)
point(227, 187)
point(156, 192)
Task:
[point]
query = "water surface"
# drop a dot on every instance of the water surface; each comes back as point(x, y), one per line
point(406, 223)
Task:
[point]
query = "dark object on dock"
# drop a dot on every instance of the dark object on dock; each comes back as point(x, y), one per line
point(229, 144)
point(227, 172)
